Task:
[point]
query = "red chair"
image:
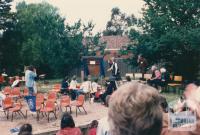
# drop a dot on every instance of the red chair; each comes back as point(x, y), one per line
point(40, 98)
point(26, 92)
point(15, 93)
point(38, 108)
point(79, 103)
point(16, 109)
point(49, 108)
point(65, 102)
point(57, 86)
point(52, 96)
point(7, 90)
point(7, 103)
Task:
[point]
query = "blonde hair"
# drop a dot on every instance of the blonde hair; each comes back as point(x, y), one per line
point(134, 110)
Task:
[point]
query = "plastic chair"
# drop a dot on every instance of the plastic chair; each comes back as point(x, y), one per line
point(137, 76)
point(15, 93)
point(26, 92)
point(177, 82)
point(40, 98)
point(38, 108)
point(16, 109)
point(65, 102)
point(147, 76)
point(49, 108)
point(52, 96)
point(7, 90)
point(7, 103)
point(79, 103)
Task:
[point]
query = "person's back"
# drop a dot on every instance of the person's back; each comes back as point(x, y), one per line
point(29, 78)
point(134, 109)
point(68, 126)
point(69, 131)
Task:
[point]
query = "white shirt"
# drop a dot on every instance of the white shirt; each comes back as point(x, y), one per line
point(86, 86)
point(73, 84)
point(103, 127)
point(94, 87)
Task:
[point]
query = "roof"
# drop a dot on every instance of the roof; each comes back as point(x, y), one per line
point(115, 42)
point(112, 42)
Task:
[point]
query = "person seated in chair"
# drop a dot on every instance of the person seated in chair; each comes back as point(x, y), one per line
point(64, 86)
point(165, 77)
point(156, 77)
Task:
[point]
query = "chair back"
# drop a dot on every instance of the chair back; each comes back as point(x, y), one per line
point(16, 92)
point(57, 86)
point(65, 100)
point(147, 76)
point(40, 98)
point(38, 105)
point(130, 75)
point(80, 99)
point(137, 76)
point(50, 104)
point(26, 92)
point(7, 102)
point(7, 90)
point(52, 96)
point(178, 78)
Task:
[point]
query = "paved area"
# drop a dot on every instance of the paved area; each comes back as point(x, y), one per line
point(94, 110)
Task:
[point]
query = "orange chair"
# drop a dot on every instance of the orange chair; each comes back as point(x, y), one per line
point(65, 102)
point(52, 96)
point(49, 108)
point(15, 93)
point(57, 86)
point(79, 103)
point(16, 109)
point(40, 98)
point(38, 108)
point(7, 103)
point(26, 92)
point(7, 90)
point(177, 82)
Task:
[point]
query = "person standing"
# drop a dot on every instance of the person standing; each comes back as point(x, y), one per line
point(30, 75)
point(142, 63)
point(114, 69)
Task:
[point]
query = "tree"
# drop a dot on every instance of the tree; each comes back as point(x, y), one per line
point(8, 48)
point(170, 33)
point(6, 17)
point(44, 41)
point(119, 23)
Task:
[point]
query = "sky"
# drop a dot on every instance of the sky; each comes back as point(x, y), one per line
point(97, 11)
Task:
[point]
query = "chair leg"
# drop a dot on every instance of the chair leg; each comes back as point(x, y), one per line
point(79, 109)
point(7, 115)
point(84, 110)
point(22, 114)
point(76, 111)
point(12, 117)
point(55, 114)
point(70, 110)
point(37, 115)
point(48, 117)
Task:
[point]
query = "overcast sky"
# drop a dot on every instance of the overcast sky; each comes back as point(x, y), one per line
point(98, 11)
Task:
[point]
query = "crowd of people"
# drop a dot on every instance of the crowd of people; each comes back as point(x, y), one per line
point(137, 109)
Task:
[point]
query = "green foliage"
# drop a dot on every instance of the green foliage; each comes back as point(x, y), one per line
point(170, 33)
point(119, 23)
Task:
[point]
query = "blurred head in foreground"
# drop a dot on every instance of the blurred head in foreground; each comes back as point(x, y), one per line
point(134, 109)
